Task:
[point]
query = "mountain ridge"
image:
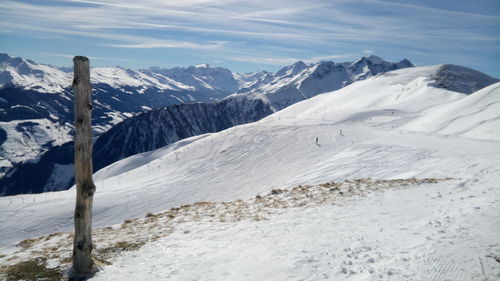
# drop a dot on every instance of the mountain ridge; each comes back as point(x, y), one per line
point(356, 132)
point(31, 122)
point(144, 132)
point(299, 81)
point(41, 95)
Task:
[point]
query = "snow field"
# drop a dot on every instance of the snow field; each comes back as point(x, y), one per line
point(370, 129)
point(413, 233)
point(25, 142)
point(277, 152)
point(110, 242)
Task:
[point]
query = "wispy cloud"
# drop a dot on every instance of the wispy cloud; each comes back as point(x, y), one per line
point(440, 11)
point(276, 60)
point(320, 22)
point(332, 57)
point(169, 44)
point(90, 57)
point(267, 32)
point(133, 41)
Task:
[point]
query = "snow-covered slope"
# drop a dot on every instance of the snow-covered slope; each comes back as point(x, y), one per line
point(30, 75)
point(40, 95)
point(361, 131)
point(247, 79)
point(118, 77)
point(409, 99)
point(474, 116)
point(36, 99)
point(141, 133)
point(204, 80)
point(387, 102)
point(299, 81)
point(365, 130)
point(217, 80)
point(425, 232)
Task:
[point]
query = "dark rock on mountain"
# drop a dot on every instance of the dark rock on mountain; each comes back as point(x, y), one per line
point(462, 79)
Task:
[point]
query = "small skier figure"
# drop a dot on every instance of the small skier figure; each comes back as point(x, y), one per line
point(317, 140)
point(341, 132)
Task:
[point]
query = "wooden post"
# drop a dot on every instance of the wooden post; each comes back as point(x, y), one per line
point(85, 188)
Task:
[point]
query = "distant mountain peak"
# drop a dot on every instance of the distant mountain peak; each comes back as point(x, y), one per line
point(405, 62)
point(204, 65)
point(299, 64)
point(370, 60)
point(292, 69)
point(299, 81)
point(4, 57)
point(376, 59)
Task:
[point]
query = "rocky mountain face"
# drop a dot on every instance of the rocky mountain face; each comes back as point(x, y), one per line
point(461, 79)
point(144, 132)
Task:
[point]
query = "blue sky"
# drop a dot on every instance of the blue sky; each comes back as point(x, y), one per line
point(253, 35)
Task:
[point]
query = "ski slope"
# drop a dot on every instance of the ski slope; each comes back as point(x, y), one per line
point(474, 116)
point(418, 233)
point(377, 128)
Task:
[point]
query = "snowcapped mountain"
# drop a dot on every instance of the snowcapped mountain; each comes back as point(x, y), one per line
point(36, 99)
point(379, 114)
point(37, 110)
point(216, 80)
point(32, 76)
point(411, 89)
point(145, 132)
point(157, 128)
point(273, 147)
point(203, 82)
point(470, 116)
point(396, 127)
point(291, 70)
point(299, 81)
point(246, 79)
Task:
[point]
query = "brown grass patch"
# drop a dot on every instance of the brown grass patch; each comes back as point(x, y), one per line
point(33, 269)
point(27, 243)
point(106, 253)
point(203, 203)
